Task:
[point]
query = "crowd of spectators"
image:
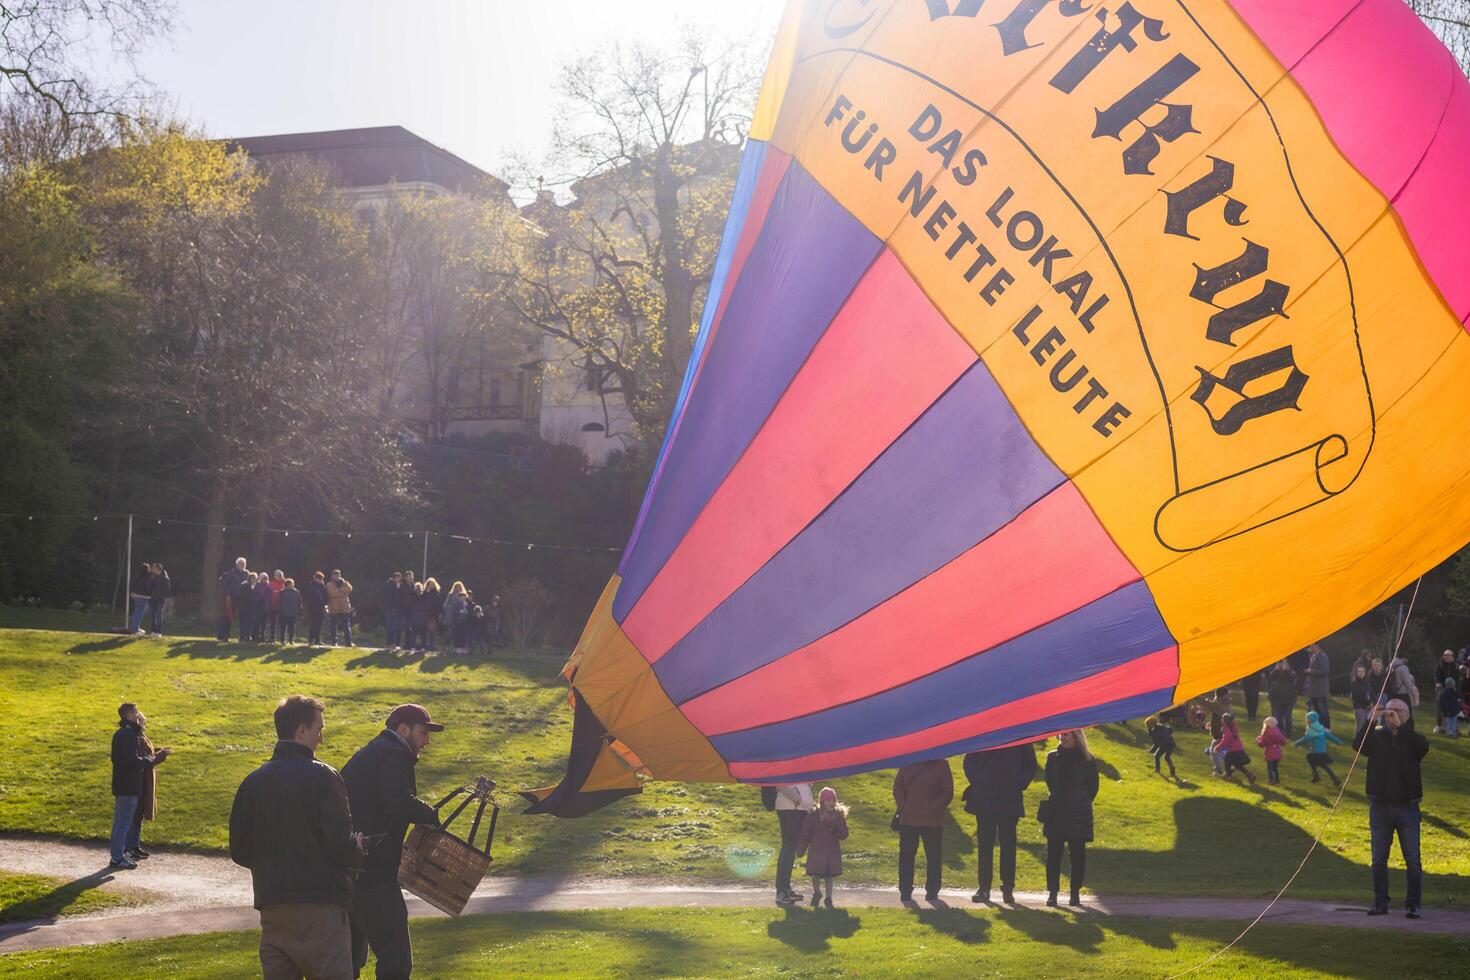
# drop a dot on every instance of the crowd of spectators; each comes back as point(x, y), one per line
point(265, 607)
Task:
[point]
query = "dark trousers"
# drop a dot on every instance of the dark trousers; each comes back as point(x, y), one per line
point(1273, 770)
point(1282, 708)
point(908, 849)
point(380, 921)
point(288, 629)
point(1321, 760)
point(1252, 690)
point(247, 626)
point(988, 830)
point(1385, 820)
point(1078, 850)
point(418, 637)
point(155, 617)
point(791, 821)
point(393, 628)
point(314, 624)
point(342, 622)
point(1320, 705)
point(1162, 754)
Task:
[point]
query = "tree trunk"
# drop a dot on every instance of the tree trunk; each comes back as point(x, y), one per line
point(214, 548)
point(678, 285)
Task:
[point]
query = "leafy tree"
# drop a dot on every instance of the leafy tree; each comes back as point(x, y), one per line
point(253, 283)
point(56, 311)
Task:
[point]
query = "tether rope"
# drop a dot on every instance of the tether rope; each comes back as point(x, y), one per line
point(1341, 789)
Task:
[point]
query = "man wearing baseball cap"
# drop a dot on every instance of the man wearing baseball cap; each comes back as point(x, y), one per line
point(383, 793)
point(1394, 752)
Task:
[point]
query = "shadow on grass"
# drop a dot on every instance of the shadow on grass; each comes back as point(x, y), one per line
point(266, 653)
point(812, 931)
point(428, 662)
point(959, 841)
point(1440, 823)
point(961, 925)
point(50, 906)
point(1205, 824)
point(1070, 929)
point(102, 646)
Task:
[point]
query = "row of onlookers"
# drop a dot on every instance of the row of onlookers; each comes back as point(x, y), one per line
point(261, 607)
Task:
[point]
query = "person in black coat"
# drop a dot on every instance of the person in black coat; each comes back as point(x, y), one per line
point(315, 601)
point(997, 782)
point(129, 765)
point(1395, 787)
point(1250, 685)
point(1066, 817)
point(291, 826)
point(229, 589)
point(289, 607)
point(395, 604)
point(159, 589)
point(1281, 691)
point(245, 607)
point(383, 792)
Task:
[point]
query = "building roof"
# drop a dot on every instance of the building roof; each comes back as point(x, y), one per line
point(377, 155)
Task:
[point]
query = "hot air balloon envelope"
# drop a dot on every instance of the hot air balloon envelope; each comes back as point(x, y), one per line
point(1061, 361)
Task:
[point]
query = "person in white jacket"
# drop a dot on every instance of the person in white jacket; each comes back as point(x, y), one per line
point(793, 803)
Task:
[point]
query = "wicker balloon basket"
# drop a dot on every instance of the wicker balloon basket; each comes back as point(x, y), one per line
point(443, 869)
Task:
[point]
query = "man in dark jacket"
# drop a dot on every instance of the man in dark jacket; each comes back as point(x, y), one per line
point(129, 766)
point(383, 791)
point(138, 594)
point(229, 589)
point(159, 589)
point(245, 607)
point(315, 601)
point(291, 826)
point(1281, 690)
point(998, 779)
point(1394, 751)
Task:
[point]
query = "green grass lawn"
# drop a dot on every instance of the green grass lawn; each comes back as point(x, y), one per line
point(26, 898)
point(508, 718)
point(862, 942)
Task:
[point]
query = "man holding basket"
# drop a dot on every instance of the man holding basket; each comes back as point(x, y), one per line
point(383, 793)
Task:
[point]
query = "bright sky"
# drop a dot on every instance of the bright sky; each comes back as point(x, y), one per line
point(473, 76)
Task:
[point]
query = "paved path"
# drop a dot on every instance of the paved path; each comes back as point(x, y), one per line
point(188, 894)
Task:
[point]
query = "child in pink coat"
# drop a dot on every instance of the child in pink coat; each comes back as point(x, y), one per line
point(821, 840)
point(1234, 749)
point(1271, 740)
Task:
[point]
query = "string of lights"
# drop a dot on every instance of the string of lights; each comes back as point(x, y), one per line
point(287, 532)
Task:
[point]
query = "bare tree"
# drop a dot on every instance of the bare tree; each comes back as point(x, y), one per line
point(1450, 19)
point(438, 330)
point(649, 144)
point(43, 42)
point(526, 603)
